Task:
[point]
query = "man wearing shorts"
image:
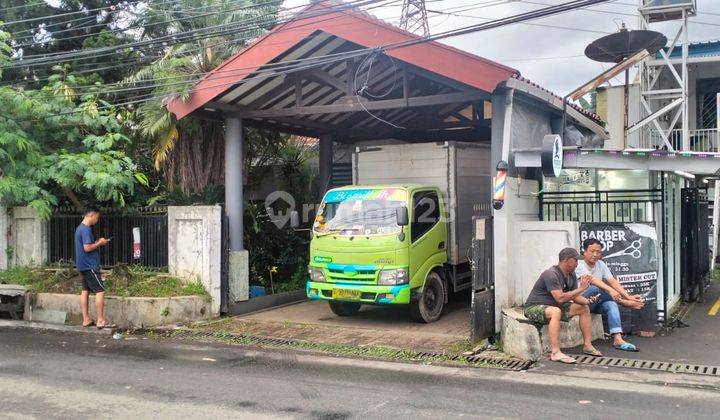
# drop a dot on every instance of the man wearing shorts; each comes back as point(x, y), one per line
point(87, 261)
point(557, 296)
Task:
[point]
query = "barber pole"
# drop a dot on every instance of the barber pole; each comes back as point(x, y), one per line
point(500, 184)
point(136, 243)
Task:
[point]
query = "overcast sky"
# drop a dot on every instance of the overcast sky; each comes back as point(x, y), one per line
point(550, 56)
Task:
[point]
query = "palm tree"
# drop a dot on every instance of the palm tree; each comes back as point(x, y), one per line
point(190, 152)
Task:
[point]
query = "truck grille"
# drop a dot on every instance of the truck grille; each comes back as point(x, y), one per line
point(359, 276)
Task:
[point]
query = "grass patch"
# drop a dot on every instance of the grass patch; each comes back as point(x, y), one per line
point(370, 352)
point(122, 280)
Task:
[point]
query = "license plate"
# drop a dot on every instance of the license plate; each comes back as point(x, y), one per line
point(348, 294)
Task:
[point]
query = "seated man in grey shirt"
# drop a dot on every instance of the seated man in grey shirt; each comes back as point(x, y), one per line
point(557, 296)
point(611, 292)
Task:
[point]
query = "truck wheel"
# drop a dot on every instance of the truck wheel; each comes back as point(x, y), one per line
point(344, 308)
point(429, 306)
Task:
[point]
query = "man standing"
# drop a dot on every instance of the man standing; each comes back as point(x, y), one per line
point(555, 297)
point(87, 261)
point(611, 292)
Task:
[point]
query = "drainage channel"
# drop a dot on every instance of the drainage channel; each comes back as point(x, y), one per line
point(247, 339)
point(619, 362)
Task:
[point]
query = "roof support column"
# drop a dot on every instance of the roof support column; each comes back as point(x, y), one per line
point(326, 162)
point(238, 261)
point(234, 181)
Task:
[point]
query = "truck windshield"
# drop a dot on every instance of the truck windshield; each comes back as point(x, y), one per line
point(358, 217)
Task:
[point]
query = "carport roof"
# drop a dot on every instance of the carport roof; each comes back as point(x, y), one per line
point(334, 22)
point(429, 91)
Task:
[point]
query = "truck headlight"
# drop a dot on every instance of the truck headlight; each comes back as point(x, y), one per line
point(316, 274)
point(394, 276)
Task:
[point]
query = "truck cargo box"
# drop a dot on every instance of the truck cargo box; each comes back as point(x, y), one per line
point(460, 170)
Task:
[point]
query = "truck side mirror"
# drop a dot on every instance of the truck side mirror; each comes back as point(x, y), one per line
point(294, 219)
point(401, 214)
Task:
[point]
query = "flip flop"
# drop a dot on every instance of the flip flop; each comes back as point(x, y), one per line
point(106, 325)
point(592, 352)
point(92, 323)
point(626, 347)
point(564, 359)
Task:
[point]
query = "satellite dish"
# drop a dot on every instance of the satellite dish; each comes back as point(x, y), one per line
point(617, 47)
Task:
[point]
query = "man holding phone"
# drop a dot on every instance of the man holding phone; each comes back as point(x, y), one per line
point(87, 261)
point(557, 296)
point(610, 290)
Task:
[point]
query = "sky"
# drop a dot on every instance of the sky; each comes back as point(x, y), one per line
point(549, 51)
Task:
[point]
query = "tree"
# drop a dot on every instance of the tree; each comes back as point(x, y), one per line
point(191, 152)
point(57, 144)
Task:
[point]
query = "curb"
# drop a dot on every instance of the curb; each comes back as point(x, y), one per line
point(54, 327)
point(588, 379)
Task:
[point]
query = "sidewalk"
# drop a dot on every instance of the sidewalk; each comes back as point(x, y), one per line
point(699, 343)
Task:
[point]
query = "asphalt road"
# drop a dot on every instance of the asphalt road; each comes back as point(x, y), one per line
point(67, 375)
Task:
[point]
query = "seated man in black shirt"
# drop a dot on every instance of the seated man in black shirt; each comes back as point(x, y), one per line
point(557, 297)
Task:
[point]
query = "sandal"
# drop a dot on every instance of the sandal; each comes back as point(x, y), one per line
point(625, 346)
point(564, 359)
point(92, 323)
point(592, 352)
point(106, 325)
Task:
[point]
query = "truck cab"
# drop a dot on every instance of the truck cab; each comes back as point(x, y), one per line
point(380, 245)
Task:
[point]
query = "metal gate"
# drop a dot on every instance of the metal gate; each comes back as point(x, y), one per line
point(482, 318)
point(695, 260)
point(118, 224)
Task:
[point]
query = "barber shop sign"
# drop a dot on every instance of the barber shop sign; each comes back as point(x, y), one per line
point(631, 252)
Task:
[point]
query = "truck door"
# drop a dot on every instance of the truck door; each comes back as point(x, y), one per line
point(427, 236)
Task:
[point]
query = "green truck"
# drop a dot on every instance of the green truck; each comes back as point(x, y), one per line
point(402, 234)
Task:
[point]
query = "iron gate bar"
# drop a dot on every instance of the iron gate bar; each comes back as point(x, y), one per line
point(152, 222)
point(554, 205)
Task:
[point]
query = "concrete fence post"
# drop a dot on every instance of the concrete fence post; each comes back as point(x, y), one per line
point(195, 247)
point(28, 238)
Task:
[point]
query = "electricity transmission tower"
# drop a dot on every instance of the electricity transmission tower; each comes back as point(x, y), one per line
point(414, 17)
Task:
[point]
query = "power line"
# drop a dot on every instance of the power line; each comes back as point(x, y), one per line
point(84, 11)
point(143, 26)
point(22, 6)
point(171, 39)
point(239, 39)
point(634, 15)
point(524, 23)
point(548, 11)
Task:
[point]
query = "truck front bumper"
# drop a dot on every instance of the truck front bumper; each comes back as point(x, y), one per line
point(364, 293)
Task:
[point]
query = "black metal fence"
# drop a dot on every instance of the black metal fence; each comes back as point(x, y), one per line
point(118, 226)
point(600, 206)
point(482, 317)
point(695, 260)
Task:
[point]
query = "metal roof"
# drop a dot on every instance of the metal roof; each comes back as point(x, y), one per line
point(698, 49)
point(430, 91)
point(321, 35)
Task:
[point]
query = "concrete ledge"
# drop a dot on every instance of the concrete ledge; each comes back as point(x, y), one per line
point(127, 313)
point(6, 323)
point(524, 339)
point(266, 302)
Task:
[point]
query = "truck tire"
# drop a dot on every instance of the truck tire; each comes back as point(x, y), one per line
point(344, 308)
point(429, 305)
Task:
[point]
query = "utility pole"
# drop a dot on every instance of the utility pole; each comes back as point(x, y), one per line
point(414, 17)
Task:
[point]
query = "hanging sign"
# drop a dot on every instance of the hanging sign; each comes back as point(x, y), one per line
point(551, 156)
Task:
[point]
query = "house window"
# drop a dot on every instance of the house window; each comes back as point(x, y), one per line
point(707, 90)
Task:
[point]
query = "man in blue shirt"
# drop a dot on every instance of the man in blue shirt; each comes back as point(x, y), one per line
point(87, 261)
